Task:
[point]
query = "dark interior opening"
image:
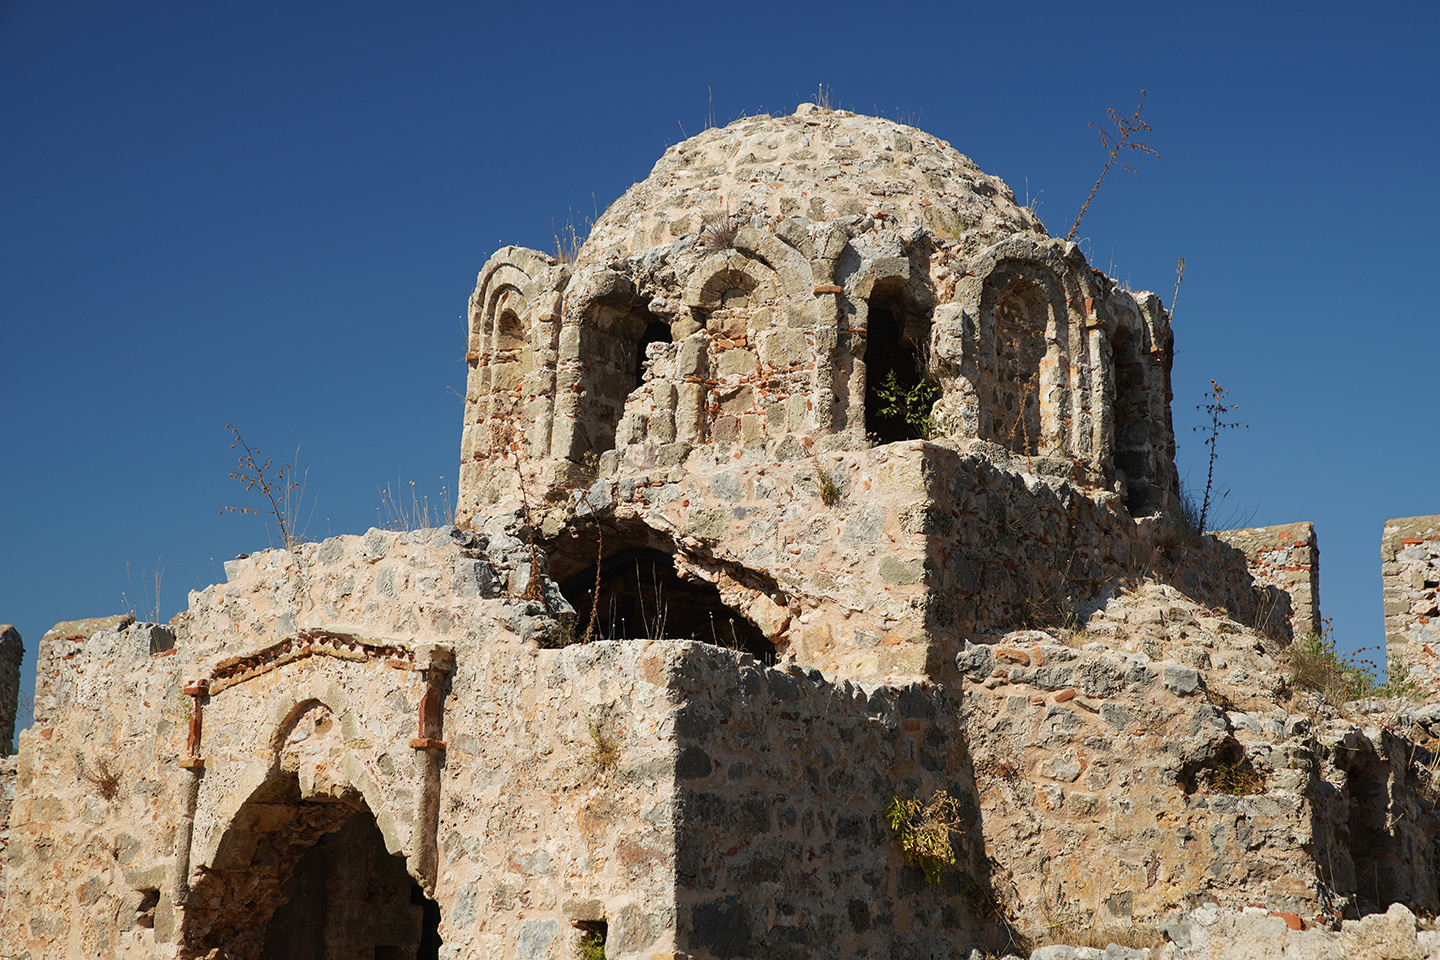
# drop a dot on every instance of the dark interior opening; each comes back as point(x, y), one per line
point(640, 596)
point(656, 331)
point(347, 893)
point(1375, 850)
point(1133, 444)
point(593, 934)
point(899, 394)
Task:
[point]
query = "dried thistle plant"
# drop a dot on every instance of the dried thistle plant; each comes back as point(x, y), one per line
point(1125, 130)
point(103, 776)
point(285, 494)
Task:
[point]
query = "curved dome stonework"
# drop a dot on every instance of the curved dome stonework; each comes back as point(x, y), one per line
point(820, 165)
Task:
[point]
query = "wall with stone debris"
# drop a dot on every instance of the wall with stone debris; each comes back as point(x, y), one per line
point(1410, 580)
point(1285, 556)
point(1164, 738)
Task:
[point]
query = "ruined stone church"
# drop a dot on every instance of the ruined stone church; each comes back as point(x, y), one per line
point(821, 478)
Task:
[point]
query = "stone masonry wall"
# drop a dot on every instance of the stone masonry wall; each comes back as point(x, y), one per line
point(783, 850)
point(1410, 580)
point(1163, 740)
point(610, 782)
point(1285, 556)
point(919, 547)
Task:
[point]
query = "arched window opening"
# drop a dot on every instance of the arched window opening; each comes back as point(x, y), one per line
point(899, 392)
point(613, 353)
point(636, 594)
point(300, 878)
point(1134, 454)
point(1020, 321)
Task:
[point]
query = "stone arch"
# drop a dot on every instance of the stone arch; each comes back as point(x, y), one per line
point(306, 782)
point(1033, 358)
point(1021, 322)
point(221, 803)
point(1140, 440)
point(510, 345)
point(729, 279)
point(293, 873)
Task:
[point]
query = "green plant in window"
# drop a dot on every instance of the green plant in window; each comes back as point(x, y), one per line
point(911, 404)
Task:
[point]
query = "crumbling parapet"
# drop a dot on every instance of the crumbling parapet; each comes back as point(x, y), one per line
point(1410, 577)
point(1285, 556)
point(11, 652)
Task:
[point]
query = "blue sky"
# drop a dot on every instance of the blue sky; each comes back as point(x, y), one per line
point(271, 215)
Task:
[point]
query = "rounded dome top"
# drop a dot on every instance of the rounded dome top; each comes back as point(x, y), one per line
point(821, 165)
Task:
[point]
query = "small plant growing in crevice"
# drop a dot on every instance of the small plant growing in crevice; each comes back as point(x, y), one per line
point(720, 230)
point(103, 775)
point(923, 829)
point(285, 494)
point(563, 634)
point(828, 489)
point(604, 750)
point(1238, 778)
point(1316, 665)
point(591, 945)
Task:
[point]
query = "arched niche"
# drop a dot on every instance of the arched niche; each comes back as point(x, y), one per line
point(307, 875)
point(1026, 400)
point(900, 386)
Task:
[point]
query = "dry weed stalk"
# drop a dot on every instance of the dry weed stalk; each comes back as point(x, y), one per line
point(1219, 412)
point(567, 242)
point(418, 513)
point(1126, 128)
point(151, 611)
point(286, 495)
point(1179, 275)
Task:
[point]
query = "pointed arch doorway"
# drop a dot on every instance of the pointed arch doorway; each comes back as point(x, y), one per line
point(308, 877)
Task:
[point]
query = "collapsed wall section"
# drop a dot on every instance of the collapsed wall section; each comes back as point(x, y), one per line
point(1285, 556)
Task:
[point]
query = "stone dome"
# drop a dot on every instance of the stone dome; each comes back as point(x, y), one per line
point(817, 164)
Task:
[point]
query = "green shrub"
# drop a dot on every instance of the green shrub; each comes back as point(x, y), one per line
point(1315, 664)
point(923, 829)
